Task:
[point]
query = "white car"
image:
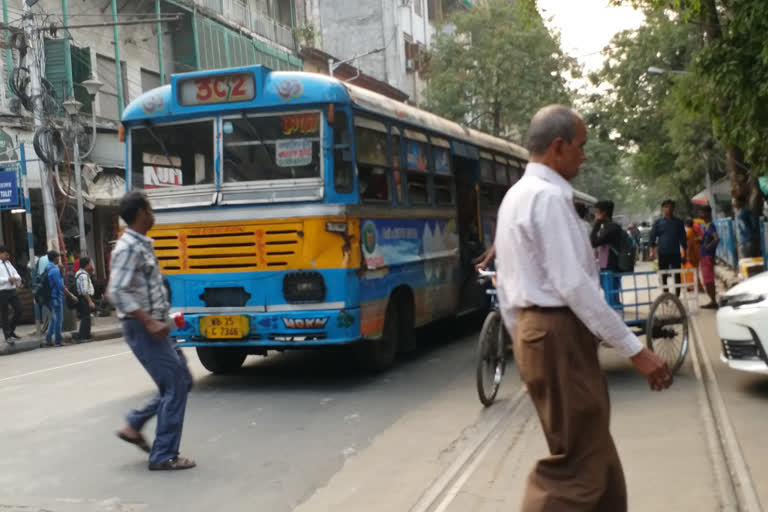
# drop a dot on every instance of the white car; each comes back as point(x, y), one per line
point(742, 325)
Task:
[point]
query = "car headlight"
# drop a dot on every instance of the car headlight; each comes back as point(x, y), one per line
point(741, 299)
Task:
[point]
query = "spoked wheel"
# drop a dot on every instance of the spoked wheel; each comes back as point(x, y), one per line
point(491, 358)
point(667, 330)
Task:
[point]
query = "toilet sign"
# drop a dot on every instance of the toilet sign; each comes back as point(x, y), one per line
point(9, 187)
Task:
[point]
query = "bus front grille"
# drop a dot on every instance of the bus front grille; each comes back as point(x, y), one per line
point(243, 248)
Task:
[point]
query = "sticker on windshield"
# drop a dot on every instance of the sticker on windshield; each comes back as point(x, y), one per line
point(294, 152)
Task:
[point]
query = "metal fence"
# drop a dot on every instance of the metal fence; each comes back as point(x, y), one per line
point(726, 249)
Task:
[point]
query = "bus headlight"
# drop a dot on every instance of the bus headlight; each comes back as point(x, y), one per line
point(304, 287)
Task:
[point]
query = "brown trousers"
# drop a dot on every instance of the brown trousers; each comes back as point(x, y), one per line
point(557, 359)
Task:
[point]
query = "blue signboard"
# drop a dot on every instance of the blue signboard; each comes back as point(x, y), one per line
point(9, 188)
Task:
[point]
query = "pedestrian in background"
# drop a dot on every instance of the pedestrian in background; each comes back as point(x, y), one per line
point(9, 281)
point(667, 240)
point(36, 269)
point(137, 290)
point(606, 238)
point(692, 253)
point(56, 303)
point(85, 298)
point(551, 299)
point(746, 227)
point(709, 242)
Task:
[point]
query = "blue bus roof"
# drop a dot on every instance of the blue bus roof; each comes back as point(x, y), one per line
point(273, 88)
point(289, 89)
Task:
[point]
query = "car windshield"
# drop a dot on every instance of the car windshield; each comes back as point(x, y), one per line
point(275, 147)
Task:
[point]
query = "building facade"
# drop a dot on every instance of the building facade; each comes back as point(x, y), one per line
point(389, 38)
point(122, 45)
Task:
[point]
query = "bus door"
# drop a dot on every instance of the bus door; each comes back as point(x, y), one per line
point(472, 294)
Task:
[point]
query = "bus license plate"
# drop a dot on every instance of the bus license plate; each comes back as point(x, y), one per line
point(222, 327)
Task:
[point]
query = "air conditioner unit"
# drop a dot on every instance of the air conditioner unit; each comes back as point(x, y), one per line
point(410, 65)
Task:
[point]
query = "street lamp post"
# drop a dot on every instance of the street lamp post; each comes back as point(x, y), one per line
point(72, 106)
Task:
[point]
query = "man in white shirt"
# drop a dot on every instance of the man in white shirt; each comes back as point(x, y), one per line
point(551, 300)
point(9, 281)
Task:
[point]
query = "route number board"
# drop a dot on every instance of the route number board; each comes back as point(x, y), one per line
point(211, 90)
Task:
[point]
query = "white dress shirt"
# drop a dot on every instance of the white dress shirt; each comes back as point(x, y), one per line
point(7, 271)
point(544, 258)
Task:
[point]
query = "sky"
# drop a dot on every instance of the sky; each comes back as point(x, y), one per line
point(587, 26)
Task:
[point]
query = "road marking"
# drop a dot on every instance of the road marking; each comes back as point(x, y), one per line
point(464, 465)
point(740, 476)
point(46, 370)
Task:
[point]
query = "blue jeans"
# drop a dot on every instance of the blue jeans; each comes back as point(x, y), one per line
point(54, 328)
point(168, 368)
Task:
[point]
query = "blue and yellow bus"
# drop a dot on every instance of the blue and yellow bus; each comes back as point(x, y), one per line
point(294, 211)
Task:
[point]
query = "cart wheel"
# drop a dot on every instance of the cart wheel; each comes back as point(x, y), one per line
point(491, 358)
point(666, 332)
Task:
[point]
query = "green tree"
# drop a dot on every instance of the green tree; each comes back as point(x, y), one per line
point(732, 68)
point(494, 66)
point(664, 135)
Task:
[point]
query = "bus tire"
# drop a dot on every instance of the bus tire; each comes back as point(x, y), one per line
point(407, 342)
point(221, 360)
point(378, 355)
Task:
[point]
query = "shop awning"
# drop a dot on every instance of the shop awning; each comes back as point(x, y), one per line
point(721, 190)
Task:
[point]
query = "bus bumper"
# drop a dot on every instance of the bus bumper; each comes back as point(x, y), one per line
point(278, 330)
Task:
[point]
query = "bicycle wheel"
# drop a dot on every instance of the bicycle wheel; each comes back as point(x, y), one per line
point(666, 331)
point(490, 358)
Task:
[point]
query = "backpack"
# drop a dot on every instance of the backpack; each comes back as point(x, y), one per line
point(42, 289)
point(72, 287)
point(626, 253)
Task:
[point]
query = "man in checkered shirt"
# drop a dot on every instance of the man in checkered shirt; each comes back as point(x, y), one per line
point(136, 288)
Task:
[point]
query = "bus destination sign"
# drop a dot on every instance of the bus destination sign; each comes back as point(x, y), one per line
point(211, 90)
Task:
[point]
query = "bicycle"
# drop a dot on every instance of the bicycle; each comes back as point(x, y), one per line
point(493, 346)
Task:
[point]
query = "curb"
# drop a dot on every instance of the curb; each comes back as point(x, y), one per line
point(32, 343)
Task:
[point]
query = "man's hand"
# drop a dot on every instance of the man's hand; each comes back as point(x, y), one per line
point(159, 330)
point(654, 368)
point(91, 305)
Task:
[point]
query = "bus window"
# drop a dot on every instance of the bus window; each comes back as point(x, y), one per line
point(397, 168)
point(343, 168)
point(443, 180)
point(172, 156)
point(274, 147)
point(418, 164)
point(372, 162)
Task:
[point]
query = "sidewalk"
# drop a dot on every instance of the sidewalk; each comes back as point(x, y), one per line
point(102, 328)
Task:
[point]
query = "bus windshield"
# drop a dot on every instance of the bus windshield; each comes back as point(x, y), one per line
point(172, 156)
point(272, 147)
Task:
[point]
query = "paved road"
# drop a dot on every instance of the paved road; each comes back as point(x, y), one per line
point(264, 440)
point(307, 432)
point(746, 398)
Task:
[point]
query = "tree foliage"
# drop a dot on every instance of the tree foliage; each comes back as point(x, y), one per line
point(731, 68)
point(656, 119)
point(493, 66)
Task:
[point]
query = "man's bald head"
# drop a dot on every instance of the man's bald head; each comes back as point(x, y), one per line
point(548, 124)
point(556, 138)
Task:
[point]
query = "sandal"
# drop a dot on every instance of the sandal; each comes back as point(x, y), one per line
point(176, 463)
point(138, 441)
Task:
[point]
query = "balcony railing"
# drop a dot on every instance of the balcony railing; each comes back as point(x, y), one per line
point(266, 26)
point(214, 5)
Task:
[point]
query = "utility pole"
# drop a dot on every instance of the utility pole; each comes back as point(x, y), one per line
point(35, 73)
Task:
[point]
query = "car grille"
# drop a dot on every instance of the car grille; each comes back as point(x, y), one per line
point(228, 248)
point(743, 350)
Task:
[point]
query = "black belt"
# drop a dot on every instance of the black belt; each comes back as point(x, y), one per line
point(542, 309)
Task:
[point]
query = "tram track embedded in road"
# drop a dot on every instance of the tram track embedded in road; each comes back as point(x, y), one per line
point(736, 487)
point(445, 487)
